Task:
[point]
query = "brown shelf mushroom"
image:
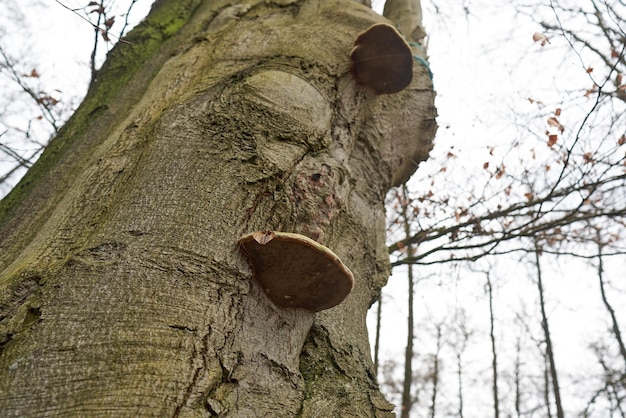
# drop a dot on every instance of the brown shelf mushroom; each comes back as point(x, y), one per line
point(295, 271)
point(382, 60)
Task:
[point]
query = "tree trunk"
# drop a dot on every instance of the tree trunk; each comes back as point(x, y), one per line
point(435, 374)
point(518, 378)
point(407, 395)
point(123, 290)
point(615, 325)
point(379, 317)
point(494, 353)
point(548, 339)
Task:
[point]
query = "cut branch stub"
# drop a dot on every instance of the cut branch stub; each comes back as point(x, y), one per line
point(295, 271)
point(382, 59)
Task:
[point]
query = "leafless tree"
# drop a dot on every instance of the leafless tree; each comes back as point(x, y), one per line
point(494, 352)
point(615, 328)
point(564, 189)
point(407, 395)
point(461, 338)
point(40, 111)
point(550, 354)
point(435, 372)
point(134, 251)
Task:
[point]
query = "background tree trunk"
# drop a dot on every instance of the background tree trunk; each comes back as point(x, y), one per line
point(123, 289)
point(548, 338)
point(407, 383)
point(494, 353)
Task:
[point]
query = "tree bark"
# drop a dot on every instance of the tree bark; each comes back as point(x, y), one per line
point(435, 374)
point(123, 290)
point(518, 378)
point(548, 339)
point(379, 316)
point(407, 16)
point(494, 352)
point(407, 395)
point(614, 323)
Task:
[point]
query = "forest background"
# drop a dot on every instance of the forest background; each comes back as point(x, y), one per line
point(507, 295)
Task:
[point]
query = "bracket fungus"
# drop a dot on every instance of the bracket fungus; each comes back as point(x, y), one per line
point(295, 271)
point(382, 60)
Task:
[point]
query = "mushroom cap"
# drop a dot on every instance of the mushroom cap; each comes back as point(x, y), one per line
point(295, 271)
point(381, 59)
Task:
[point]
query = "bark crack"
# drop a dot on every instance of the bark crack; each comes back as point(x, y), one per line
point(199, 370)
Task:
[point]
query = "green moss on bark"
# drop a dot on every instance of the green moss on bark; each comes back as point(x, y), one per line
point(124, 69)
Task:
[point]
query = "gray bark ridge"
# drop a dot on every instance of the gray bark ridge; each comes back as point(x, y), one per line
point(132, 298)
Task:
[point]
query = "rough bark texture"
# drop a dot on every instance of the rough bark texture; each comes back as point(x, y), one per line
point(123, 292)
point(407, 16)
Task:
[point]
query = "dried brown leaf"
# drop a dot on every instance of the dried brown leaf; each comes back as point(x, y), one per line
point(500, 171)
point(552, 140)
point(554, 122)
point(540, 37)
